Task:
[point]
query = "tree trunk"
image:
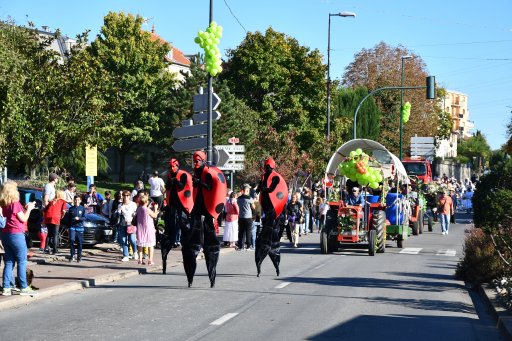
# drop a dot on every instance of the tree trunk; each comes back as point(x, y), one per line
point(33, 171)
point(122, 159)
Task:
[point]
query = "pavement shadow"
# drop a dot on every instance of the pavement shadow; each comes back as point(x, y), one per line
point(362, 282)
point(304, 248)
point(401, 327)
point(425, 304)
point(422, 275)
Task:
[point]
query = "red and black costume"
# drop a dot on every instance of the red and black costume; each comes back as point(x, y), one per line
point(273, 198)
point(179, 206)
point(209, 192)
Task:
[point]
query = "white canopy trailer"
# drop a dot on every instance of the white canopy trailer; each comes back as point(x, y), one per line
point(391, 165)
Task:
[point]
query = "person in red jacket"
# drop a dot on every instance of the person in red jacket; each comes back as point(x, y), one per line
point(53, 213)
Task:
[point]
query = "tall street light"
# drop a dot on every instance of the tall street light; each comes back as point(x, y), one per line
point(341, 14)
point(402, 102)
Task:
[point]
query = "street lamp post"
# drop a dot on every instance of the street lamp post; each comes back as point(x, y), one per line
point(341, 14)
point(402, 102)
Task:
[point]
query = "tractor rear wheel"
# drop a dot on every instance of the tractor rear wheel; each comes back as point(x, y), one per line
point(379, 225)
point(332, 244)
point(372, 240)
point(430, 223)
point(323, 242)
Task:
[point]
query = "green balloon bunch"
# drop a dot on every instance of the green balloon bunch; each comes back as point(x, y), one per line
point(355, 167)
point(209, 41)
point(406, 112)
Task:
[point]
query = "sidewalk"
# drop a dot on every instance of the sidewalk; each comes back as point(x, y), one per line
point(55, 275)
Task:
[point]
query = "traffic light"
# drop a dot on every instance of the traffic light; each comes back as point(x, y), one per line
point(227, 176)
point(431, 87)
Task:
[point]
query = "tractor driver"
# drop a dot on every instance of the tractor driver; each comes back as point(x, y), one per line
point(354, 198)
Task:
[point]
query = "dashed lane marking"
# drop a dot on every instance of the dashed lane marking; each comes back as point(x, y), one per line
point(411, 250)
point(282, 285)
point(223, 319)
point(450, 253)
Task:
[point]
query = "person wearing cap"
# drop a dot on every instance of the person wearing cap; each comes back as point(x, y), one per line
point(354, 198)
point(157, 189)
point(445, 210)
point(49, 189)
point(246, 206)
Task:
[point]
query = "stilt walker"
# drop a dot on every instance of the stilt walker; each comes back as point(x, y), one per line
point(209, 192)
point(273, 198)
point(179, 206)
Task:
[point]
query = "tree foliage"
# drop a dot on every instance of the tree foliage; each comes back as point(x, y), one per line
point(345, 103)
point(381, 67)
point(50, 104)
point(474, 149)
point(282, 80)
point(137, 85)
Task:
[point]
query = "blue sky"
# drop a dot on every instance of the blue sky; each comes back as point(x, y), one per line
point(467, 44)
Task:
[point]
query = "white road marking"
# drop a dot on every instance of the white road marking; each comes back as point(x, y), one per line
point(282, 285)
point(223, 319)
point(411, 250)
point(450, 253)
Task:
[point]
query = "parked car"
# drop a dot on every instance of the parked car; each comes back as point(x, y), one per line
point(97, 228)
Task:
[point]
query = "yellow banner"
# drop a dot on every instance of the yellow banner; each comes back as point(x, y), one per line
point(91, 161)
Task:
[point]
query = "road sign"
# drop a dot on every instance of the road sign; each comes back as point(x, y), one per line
point(203, 117)
point(232, 166)
point(189, 144)
point(190, 131)
point(201, 102)
point(221, 157)
point(240, 148)
point(233, 140)
point(236, 157)
point(91, 161)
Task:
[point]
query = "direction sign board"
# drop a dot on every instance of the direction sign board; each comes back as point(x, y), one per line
point(236, 157)
point(189, 144)
point(190, 131)
point(201, 102)
point(203, 117)
point(232, 166)
point(237, 148)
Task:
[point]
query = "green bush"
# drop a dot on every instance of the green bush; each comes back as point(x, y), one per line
point(481, 263)
point(492, 209)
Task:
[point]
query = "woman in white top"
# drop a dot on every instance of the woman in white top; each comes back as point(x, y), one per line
point(126, 213)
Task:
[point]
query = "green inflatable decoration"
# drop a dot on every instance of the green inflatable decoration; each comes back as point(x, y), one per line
point(406, 112)
point(209, 41)
point(355, 167)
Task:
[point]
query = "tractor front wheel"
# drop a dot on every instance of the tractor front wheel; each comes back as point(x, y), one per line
point(399, 242)
point(430, 223)
point(372, 240)
point(323, 242)
point(420, 220)
point(379, 225)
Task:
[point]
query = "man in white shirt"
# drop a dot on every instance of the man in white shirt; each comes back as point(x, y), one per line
point(157, 189)
point(49, 189)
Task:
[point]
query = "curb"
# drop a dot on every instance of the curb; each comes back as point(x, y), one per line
point(502, 317)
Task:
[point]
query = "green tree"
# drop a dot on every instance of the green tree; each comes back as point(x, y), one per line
point(475, 150)
point(345, 103)
point(381, 67)
point(138, 84)
point(282, 80)
point(53, 103)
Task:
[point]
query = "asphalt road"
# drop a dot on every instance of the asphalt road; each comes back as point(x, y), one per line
point(404, 294)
